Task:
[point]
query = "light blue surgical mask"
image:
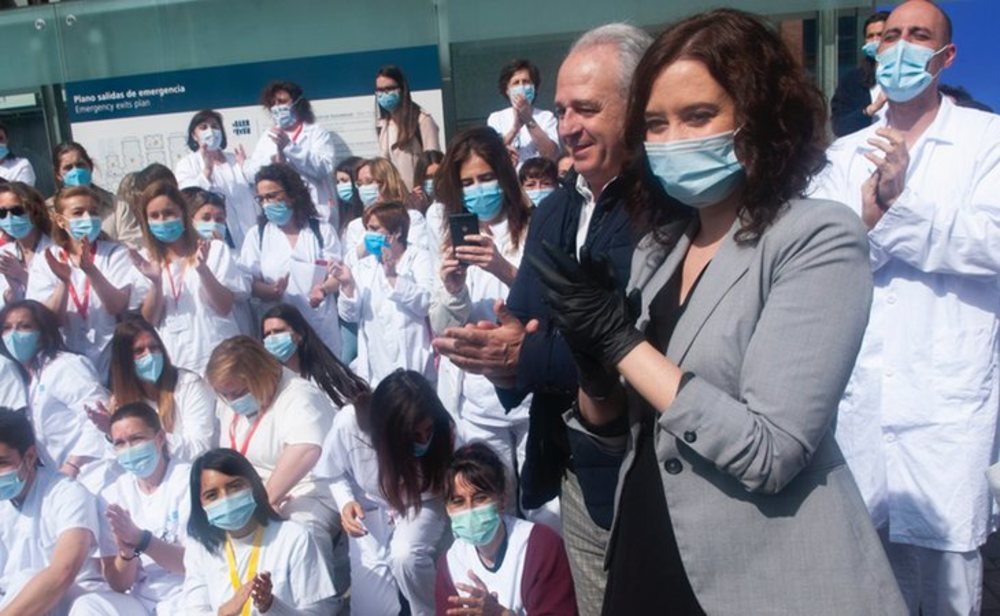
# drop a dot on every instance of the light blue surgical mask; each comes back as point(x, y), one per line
point(167, 231)
point(140, 460)
point(477, 525)
point(429, 188)
point(11, 485)
point(149, 367)
point(538, 194)
point(420, 449)
point(232, 512)
point(870, 49)
point(246, 405)
point(279, 213)
point(345, 190)
point(388, 100)
point(697, 172)
point(280, 345)
point(208, 229)
point(4, 150)
point(85, 227)
point(368, 193)
point(211, 138)
point(902, 70)
point(527, 90)
point(483, 199)
point(374, 243)
point(77, 176)
point(22, 345)
point(283, 115)
point(17, 226)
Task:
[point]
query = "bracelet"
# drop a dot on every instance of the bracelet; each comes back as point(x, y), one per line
point(77, 467)
point(128, 558)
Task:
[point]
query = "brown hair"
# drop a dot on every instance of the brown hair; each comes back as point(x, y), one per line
point(164, 188)
point(33, 204)
point(245, 358)
point(782, 113)
point(299, 199)
point(301, 105)
point(508, 70)
point(125, 384)
point(65, 148)
point(481, 468)
point(392, 216)
point(407, 115)
point(390, 183)
point(59, 235)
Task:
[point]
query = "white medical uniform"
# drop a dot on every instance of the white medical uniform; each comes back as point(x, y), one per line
point(227, 180)
point(311, 153)
point(16, 169)
point(164, 513)
point(918, 420)
point(416, 236)
point(196, 428)
point(28, 537)
point(89, 331)
point(399, 551)
point(271, 257)
point(300, 581)
point(191, 328)
point(13, 394)
point(502, 121)
point(392, 321)
point(13, 249)
point(505, 581)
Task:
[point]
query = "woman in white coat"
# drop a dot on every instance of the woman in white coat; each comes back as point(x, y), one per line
point(290, 250)
point(211, 168)
point(527, 130)
point(297, 140)
point(388, 294)
point(25, 227)
point(13, 168)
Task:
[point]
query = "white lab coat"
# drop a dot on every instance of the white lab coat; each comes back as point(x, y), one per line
point(502, 121)
point(13, 249)
point(90, 336)
point(196, 428)
point(311, 153)
point(392, 321)
point(15, 169)
point(416, 237)
point(13, 394)
point(918, 421)
point(190, 327)
point(227, 180)
point(273, 257)
point(300, 580)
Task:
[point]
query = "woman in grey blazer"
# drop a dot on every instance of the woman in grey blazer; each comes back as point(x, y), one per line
point(733, 346)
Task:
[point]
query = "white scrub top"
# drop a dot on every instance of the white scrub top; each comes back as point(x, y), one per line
point(13, 249)
point(300, 579)
point(89, 332)
point(196, 426)
point(502, 121)
point(14, 169)
point(13, 394)
point(351, 463)
point(227, 180)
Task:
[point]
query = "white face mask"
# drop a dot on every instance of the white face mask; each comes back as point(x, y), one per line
point(211, 138)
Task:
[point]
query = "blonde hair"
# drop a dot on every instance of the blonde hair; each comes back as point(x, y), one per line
point(390, 183)
point(245, 358)
point(59, 235)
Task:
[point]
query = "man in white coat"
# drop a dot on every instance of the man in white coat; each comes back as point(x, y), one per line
point(918, 420)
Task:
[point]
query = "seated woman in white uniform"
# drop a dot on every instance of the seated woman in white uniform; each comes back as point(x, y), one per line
point(142, 371)
point(86, 279)
point(389, 457)
point(241, 557)
point(61, 386)
point(194, 282)
point(498, 564)
point(25, 227)
point(48, 536)
point(145, 513)
point(289, 251)
point(387, 293)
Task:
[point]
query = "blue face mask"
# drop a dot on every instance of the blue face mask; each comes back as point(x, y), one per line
point(22, 345)
point(388, 100)
point(10, 485)
point(4, 150)
point(149, 367)
point(77, 176)
point(167, 231)
point(902, 70)
point(870, 49)
point(16, 226)
point(246, 405)
point(345, 190)
point(420, 449)
point(210, 230)
point(697, 172)
point(211, 138)
point(85, 227)
point(538, 194)
point(429, 188)
point(374, 243)
point(280, 345)
point(283, 115)
point(368, 193)
point(279, 213)
point(233, 512)
point(477, 525)
point(484, 200)
point(140, 460)
point(527, 90)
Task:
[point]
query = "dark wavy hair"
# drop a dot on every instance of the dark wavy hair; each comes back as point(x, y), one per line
point(291, 182)
point(302, 107)
point(481, 468)
point(202, 116)
point(407, 115)
point(512, 67)
point(488, 145)
point(50, 340)
point(33, 202)
point(352, 208)
point(782, 113)
point(316, 361)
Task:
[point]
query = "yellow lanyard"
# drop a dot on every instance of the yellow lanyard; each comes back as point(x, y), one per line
point(234, 574)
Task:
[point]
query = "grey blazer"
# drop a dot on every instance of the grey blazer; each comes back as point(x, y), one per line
point(766, 514)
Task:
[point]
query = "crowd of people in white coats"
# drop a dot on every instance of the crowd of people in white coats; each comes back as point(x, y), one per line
point(665, 350)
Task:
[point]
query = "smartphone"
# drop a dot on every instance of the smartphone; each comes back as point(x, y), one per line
point(461, 225)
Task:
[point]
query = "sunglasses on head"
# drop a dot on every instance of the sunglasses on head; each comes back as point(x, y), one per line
point(17, 210)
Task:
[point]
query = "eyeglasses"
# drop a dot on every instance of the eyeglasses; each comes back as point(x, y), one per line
point(269, 197)
point(387, 90)
point(17, 210)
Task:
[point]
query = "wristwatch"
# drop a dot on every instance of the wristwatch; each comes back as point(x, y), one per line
point(531, 123)
point(143, 544)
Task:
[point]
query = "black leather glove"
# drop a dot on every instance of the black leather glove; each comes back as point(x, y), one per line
point(588, 306)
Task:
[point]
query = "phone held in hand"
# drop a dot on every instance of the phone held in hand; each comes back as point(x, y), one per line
point(460, 225)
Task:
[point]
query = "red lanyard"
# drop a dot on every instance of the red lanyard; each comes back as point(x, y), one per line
point(298, 131)
point(173, 289)
point(82, 307)
point(246, 442)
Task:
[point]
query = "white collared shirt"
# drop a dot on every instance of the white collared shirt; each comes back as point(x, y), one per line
point(502, 121)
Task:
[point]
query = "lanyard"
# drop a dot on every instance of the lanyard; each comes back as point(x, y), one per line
point(246, 442)
point(82, 307)
point(174, 291)
point(298, 131)
point(234, 574)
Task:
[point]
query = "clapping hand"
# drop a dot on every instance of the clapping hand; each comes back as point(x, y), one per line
point(127, 534)
point(479, 601)
point(149, 269)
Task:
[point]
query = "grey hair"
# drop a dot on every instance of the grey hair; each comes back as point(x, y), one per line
point(630, 41)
